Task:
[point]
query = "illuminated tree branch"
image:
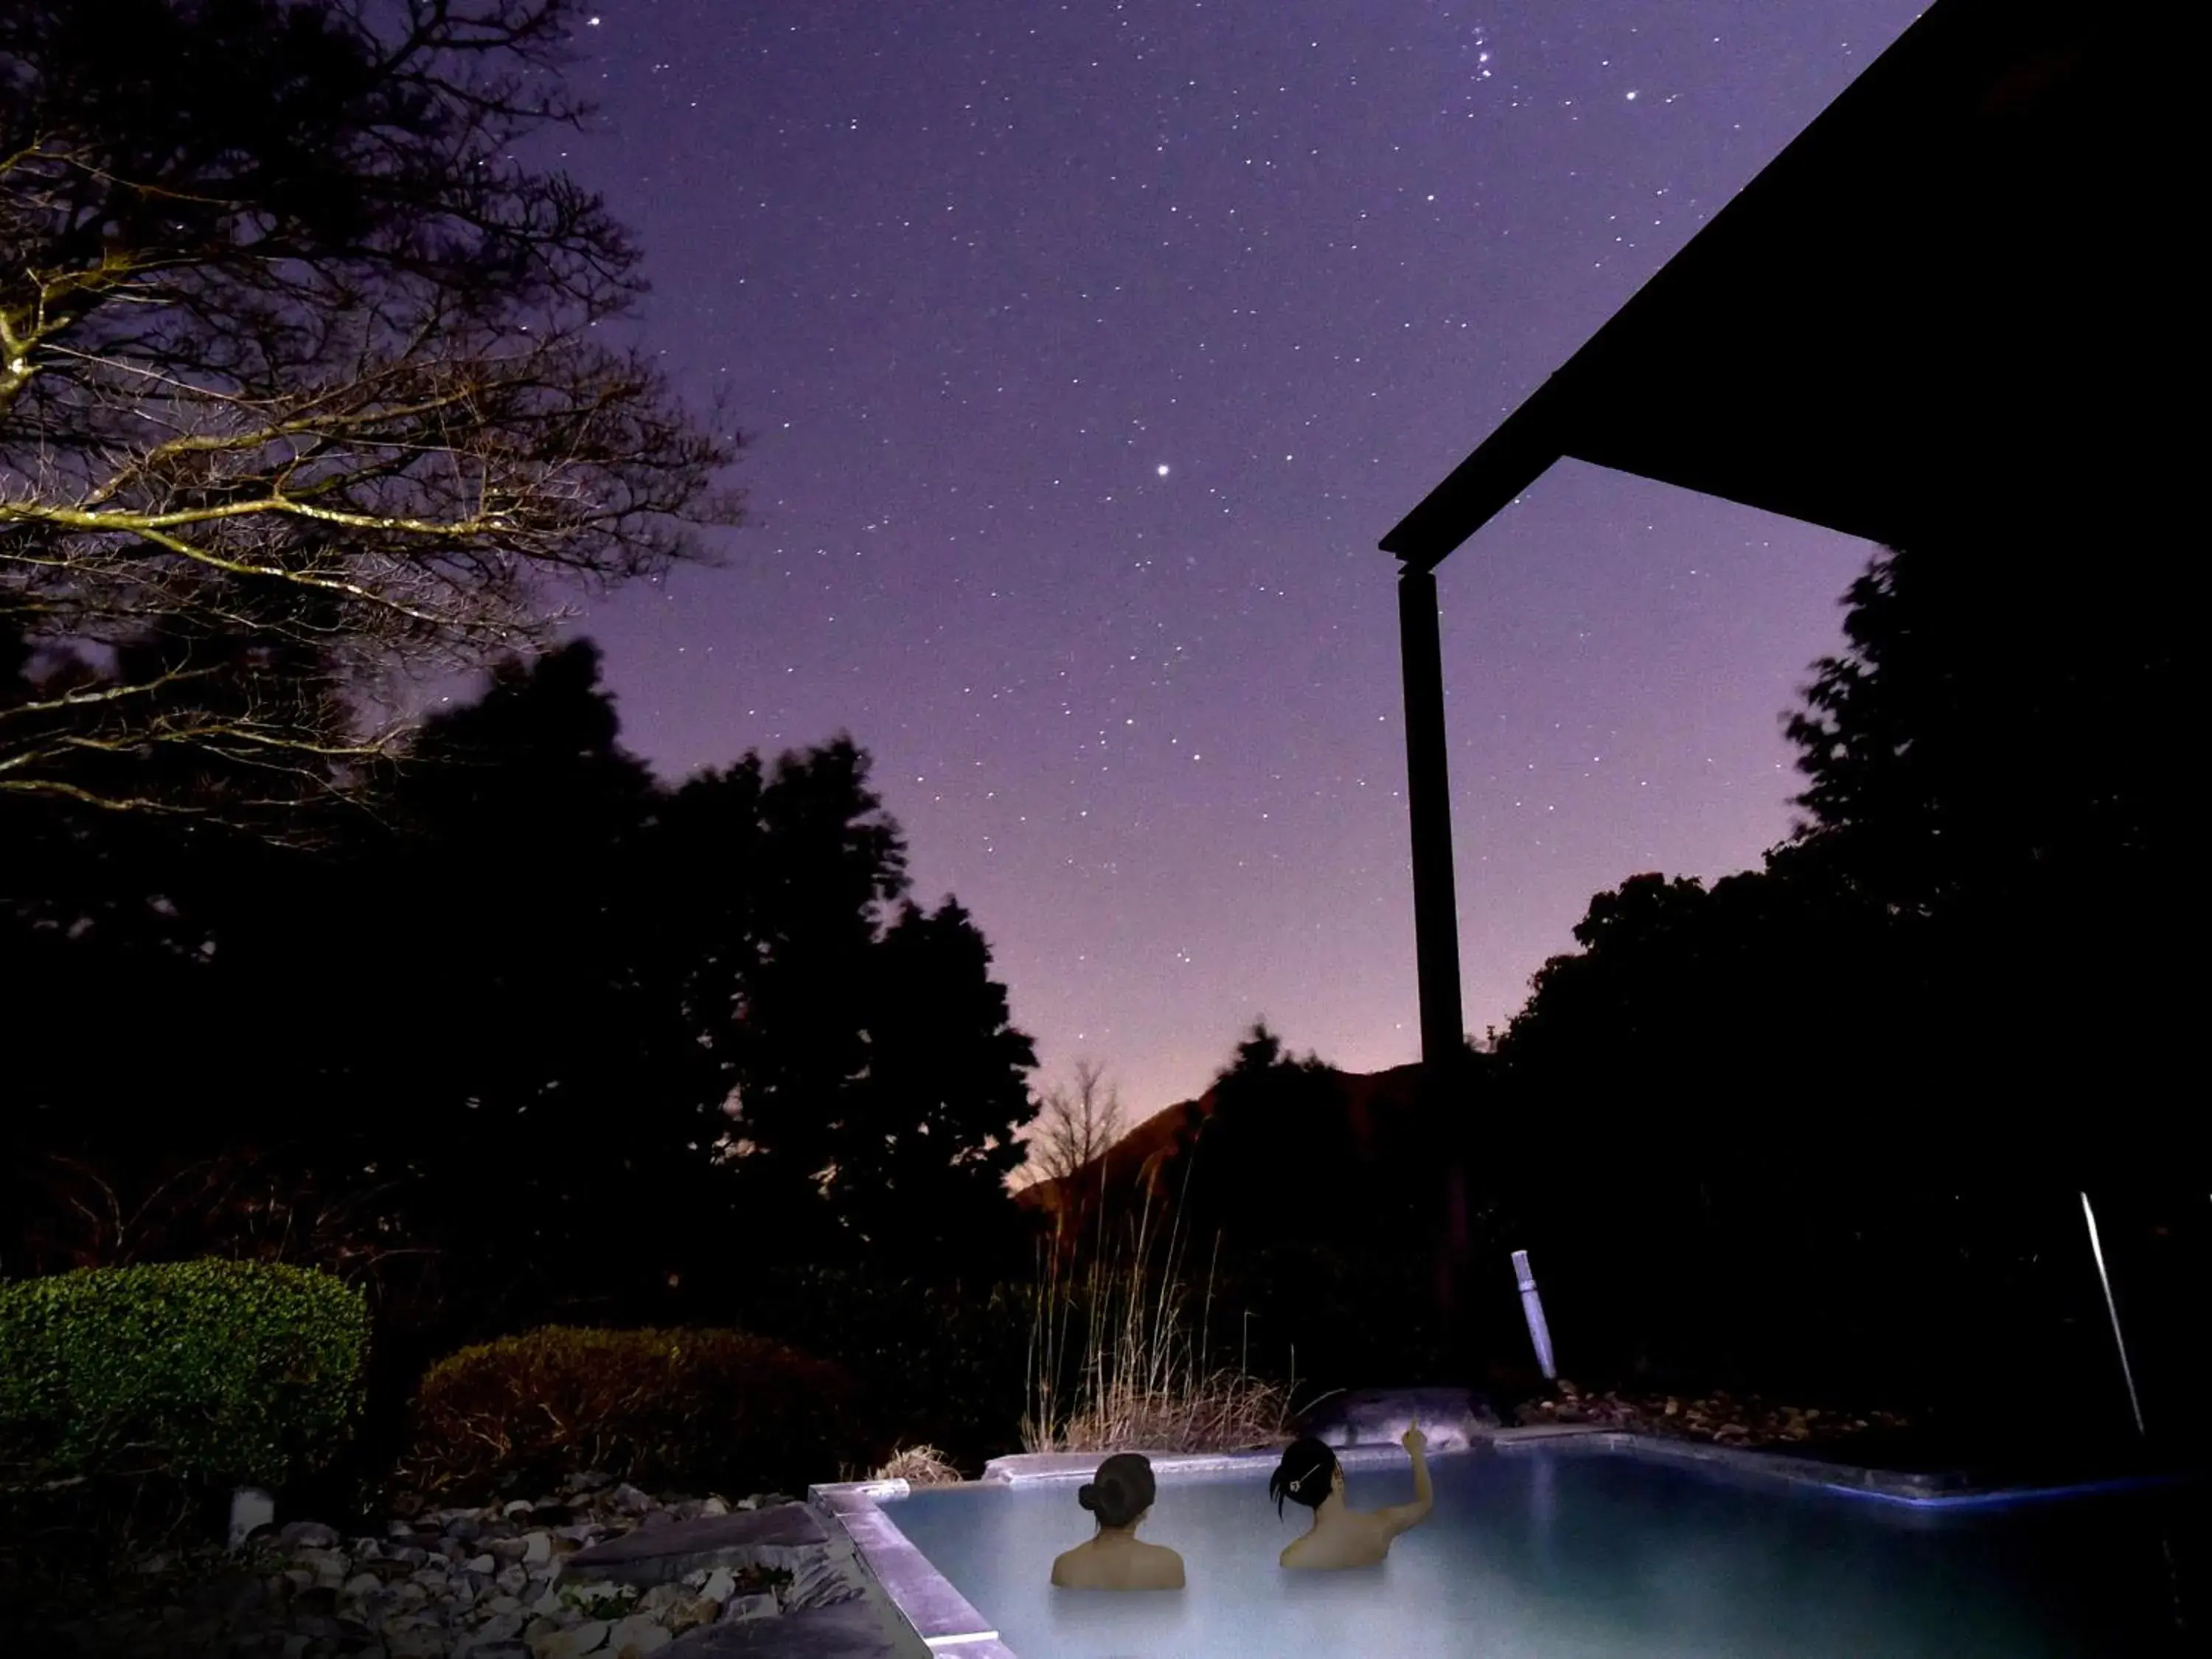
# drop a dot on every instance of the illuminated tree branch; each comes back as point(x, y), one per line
point(300, 387)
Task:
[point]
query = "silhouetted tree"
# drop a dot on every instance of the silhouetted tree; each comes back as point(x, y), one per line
point(1274, 1159)
point(1994, 758)
point(824, 863)
point(2002, 717)
point(933, 1128)
point(1768, 993)
point(1868, 1076)
point(597, 1041)
point(1077, 1124)
point(298, 383)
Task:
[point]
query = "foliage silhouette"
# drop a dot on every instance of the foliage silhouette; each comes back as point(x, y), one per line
point(590, 1038)
point(299, 387)
point(1869, 1077)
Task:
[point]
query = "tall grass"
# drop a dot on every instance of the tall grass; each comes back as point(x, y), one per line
point(1116, 1359)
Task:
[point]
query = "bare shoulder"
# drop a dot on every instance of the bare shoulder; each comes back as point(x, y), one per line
point(1399, 1517)
point(1067, 1569)
point(1165, 1566)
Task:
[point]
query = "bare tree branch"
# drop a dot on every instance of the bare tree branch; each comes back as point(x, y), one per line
point(1075, 1127)
point(300, 384)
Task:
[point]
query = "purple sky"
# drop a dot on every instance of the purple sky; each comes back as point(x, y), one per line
point(1084, 353)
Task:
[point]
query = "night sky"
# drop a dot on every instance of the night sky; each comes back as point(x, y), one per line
point(1084, 352)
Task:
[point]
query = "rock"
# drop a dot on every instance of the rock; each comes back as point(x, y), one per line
point(318, 1600)
point(691, 1613)
point(308, 1535)
point(785, 1537)
point(661, 1597)
point(587, 1481)
point(824, 1581)
point(635, 1636)
point(587, 1638)
point(448, 1583)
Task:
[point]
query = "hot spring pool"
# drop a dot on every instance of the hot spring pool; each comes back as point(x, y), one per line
point(1565, 1552)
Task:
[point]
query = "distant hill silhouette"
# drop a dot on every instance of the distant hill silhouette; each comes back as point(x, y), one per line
point(1149, 1161)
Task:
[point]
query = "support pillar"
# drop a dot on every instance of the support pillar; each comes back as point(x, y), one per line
point(1428, 801)
point(1436, 923)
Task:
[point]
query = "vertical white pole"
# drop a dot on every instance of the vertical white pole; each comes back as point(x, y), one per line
point(1532, 1304)
point(2112, 1311)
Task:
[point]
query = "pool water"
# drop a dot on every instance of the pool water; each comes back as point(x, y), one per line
point(1573, 1554)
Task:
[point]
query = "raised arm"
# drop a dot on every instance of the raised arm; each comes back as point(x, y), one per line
point(1399, 1517)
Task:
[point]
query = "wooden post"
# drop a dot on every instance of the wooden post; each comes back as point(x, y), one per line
point(1428, 803)
point(1436, 916)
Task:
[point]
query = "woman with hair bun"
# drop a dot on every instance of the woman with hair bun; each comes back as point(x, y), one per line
point(1343, 1537)
point(1121, 1495)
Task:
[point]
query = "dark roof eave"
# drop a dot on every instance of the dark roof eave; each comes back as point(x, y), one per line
point(1483, 485)
point(1687, 294)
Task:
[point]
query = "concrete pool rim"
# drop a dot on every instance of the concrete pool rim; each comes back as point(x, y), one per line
point(946, 1622)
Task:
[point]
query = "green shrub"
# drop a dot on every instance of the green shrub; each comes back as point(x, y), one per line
point(195, 1371)
point(699, 1409)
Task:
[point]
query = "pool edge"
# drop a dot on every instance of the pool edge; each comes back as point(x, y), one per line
point(1951, 1490)
point(943, 1619)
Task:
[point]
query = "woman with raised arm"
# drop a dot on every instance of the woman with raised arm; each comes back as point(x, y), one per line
point(1121, 1495)
point(1342, 1536)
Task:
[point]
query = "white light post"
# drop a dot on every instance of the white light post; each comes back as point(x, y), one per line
point(1532, 1304)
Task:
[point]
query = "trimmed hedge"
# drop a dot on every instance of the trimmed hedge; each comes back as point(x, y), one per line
point(691, 1408)
point(211, 1371)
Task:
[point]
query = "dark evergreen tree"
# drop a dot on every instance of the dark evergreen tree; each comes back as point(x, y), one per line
point(597, 1042)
